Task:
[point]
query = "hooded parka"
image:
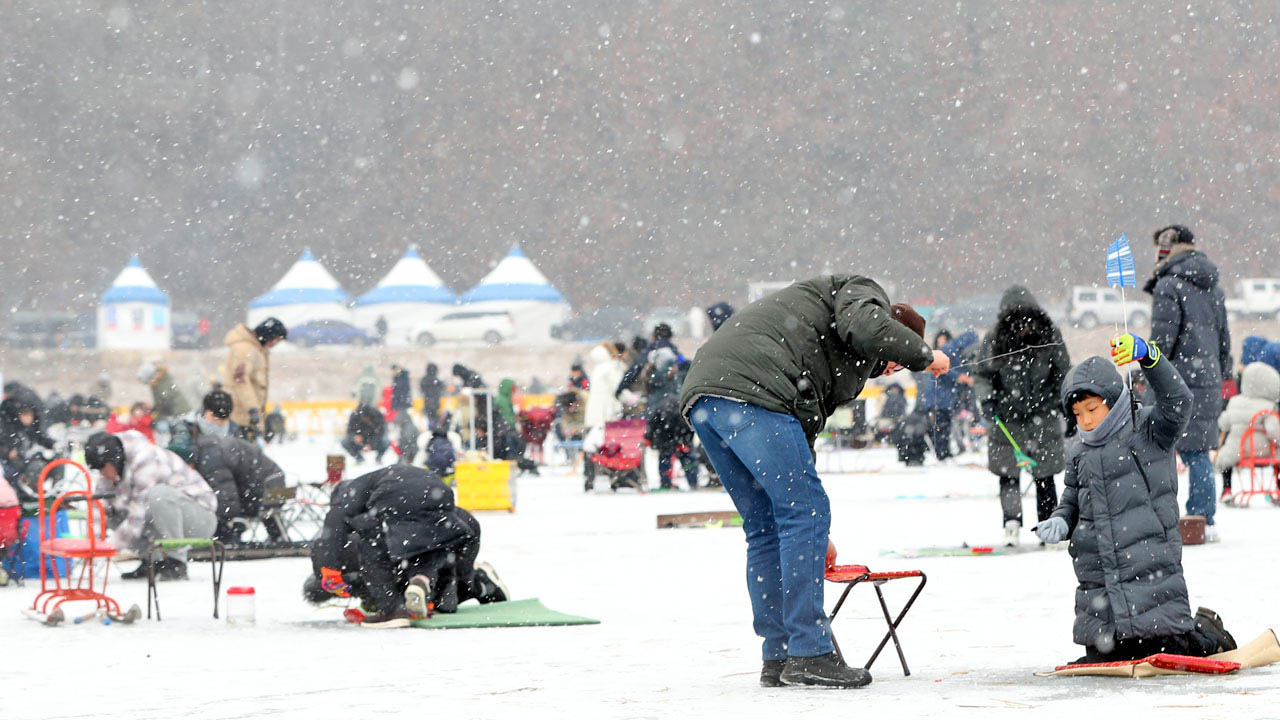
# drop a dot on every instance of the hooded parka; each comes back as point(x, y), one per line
point(1120, 503)
point(1018, 382)
point(1189, 323)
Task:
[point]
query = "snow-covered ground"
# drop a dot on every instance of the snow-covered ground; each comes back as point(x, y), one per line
point(675, 638)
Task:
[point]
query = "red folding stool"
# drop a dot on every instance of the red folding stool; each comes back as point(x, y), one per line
point(1253, 457)
point(850, 576)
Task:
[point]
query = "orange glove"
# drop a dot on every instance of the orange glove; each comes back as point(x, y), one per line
point(331, 581)
point(831, 554)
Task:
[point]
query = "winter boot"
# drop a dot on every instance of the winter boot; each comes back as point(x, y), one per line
point(398, 618)
point(824, 670)
point(140, 573)
point(1208, 622)
point(417, 597)
point(771, 674)
point(492, 587)
point(448, 600)
point(1011, 530)
point(171, 569)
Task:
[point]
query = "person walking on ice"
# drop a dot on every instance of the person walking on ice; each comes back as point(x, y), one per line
point(757, 394)
point(1119, 509)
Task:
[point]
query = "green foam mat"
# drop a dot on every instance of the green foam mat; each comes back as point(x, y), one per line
point(513, 613)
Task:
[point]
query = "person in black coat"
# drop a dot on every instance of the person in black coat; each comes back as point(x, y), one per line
point(22, 419)
point(432, 389)
point(395, 539)
point(1189, 322)
point(401, 407)
point(440, 454)
point(366, 429)
point(240, 475)
point(661, 339)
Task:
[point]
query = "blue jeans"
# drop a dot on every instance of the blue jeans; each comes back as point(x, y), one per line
point(1201, 486)
point(764, 461)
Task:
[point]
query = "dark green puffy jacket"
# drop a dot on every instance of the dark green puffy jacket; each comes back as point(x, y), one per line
point(804, 350)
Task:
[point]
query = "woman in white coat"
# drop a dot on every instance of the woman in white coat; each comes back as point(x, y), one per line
point(604, 373)
point(1259, 390)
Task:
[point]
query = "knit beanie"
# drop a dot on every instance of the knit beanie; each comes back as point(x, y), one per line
point(908, 316)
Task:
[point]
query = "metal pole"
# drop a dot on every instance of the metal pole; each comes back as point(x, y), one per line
point(489, 434)
point(471, 399)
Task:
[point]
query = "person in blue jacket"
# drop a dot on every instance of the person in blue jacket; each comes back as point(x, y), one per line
point(939, 396)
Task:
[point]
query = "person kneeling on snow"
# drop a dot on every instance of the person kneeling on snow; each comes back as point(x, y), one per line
point(395, 539)
point(366, 430)
point(158, 496)
point(1120, 510)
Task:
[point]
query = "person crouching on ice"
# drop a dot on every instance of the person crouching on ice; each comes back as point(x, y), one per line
point(395, 539)
point(1120, 510)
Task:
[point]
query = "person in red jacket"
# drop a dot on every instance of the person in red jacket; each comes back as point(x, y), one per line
point(139, 418)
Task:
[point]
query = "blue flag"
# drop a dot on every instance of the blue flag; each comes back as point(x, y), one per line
point(1120, 269)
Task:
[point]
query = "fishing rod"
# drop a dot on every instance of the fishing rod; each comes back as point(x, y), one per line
point(1012, 352)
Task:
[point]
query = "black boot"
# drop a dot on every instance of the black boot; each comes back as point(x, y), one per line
point(398, 618)
point(1208, 622)
point(171, 569)
point(140, 573)
point(447, 602)
point(771, 674)
point(492, 588)
point(825, 671)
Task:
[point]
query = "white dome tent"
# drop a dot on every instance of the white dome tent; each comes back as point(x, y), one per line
point(306, 292)
point(133, 313)
point(410, 296)
point(518, 287)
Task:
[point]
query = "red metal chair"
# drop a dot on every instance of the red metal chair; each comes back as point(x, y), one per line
point(621, 455)
point(87, 549)
point(851, 576)
point(1251, 457)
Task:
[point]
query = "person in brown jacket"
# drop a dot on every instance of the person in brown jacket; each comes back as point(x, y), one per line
point(246, 371)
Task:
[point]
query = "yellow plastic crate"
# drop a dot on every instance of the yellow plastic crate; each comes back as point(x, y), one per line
point(484, 485)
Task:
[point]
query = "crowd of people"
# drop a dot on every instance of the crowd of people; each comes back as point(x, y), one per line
point(1003, 389)
point(746, 413)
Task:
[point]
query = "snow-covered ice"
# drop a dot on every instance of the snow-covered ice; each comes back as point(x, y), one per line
point(675, 638)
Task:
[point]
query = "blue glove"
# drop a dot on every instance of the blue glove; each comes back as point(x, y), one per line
point(1053, 530)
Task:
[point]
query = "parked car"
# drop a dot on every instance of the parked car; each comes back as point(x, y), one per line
point(190, 330)
point(330, 332)
point(1255, 298)
point(977, 312)
point(1088, 307)
point(606, 323)
point(490, 326)
point(51, 330)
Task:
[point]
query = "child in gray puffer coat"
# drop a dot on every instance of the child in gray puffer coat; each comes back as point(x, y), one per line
point(1120, 510)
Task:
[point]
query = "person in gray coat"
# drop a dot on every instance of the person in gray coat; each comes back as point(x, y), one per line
point(1189, 320)
point(1022, 362)
point(1120, 509)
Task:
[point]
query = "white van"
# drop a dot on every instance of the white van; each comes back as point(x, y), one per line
point(1256, 298)
point(1088, 307)
point(489, 326)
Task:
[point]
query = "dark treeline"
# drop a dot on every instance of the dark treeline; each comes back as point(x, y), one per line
point(641, 152)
